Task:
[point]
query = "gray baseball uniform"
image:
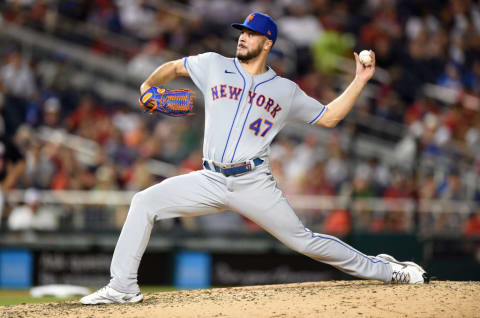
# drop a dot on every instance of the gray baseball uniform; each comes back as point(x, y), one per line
point(243, 113)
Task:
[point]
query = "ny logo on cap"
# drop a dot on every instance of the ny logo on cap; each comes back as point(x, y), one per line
point(250, 17)
point(269, 33)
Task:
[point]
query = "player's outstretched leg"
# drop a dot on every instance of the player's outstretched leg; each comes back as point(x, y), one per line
point(264, 204)
point(331, 250)
point(191, 194)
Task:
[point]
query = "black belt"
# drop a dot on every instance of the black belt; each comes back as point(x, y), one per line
point(232, 169)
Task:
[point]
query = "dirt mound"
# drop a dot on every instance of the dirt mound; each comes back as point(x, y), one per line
point(322, 299)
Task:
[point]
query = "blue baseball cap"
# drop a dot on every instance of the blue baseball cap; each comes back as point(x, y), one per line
point(261, 23)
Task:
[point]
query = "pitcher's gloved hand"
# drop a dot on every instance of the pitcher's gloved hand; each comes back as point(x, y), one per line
point(171, 102)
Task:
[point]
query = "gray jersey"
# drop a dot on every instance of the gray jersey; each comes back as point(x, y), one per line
point(243, 113)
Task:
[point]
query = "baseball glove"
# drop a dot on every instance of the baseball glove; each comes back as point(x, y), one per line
point(171, 102)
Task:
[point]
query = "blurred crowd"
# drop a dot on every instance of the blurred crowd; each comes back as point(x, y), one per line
point(428, 56)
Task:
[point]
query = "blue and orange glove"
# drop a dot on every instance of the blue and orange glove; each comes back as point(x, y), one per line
point(171, 102)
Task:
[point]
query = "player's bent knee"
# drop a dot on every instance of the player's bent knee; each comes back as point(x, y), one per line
point(139, 206)
point(140, 202)
point(152, 202)
point(137, 199)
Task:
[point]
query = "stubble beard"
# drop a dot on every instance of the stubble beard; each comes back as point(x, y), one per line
point(250, 54)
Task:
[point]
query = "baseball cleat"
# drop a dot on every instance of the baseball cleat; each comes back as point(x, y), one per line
point(406, 272)
point(108, 295)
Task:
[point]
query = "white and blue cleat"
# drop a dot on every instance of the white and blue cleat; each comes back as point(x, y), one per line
point(108, 295)
point(406, 272)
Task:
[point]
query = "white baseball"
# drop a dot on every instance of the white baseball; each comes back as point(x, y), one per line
point(365, 57)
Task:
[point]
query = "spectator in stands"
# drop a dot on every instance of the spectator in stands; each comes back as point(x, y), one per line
point(18, 84)
point(306, 154)
point(390, 107)
point(117, 151)
point(139, 176)
point(336, 168)
point(51, 113)
point(399, 187)
point(472, 228)
point(337, 223)
point(106, 14)
point(85, 178)
point(32, 215)
point(315, 182)
point(471, 77)
point(421, 106)
point(361, 186)
point(86, 112)
point(12, 166)
point(451, 78)
point(424, 218)
point(472, 136)
point(191, 163)
point(66, 169)
point(136, 17)
point(451, 188)
point(16, 77)
point(278, 171)
point(300, 26)
point(283, 156)
point(149, 58)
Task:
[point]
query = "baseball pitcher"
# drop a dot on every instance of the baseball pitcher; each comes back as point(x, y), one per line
point(246, 105)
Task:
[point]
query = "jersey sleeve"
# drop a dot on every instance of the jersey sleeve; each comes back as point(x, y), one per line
point(305, 108)
point(198, 67)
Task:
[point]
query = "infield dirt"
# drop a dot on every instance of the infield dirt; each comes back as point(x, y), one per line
point(320, 299)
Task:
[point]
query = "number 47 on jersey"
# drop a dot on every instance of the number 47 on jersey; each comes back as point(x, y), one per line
point(260, 128)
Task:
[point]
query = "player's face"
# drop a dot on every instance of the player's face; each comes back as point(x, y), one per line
point(250, 45)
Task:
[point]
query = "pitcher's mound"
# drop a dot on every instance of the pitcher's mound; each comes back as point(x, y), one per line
point(322, 299)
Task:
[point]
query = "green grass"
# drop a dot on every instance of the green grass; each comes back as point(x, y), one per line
point(16, 297)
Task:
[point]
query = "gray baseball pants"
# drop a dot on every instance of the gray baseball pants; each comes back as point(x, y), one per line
point(254, 195)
